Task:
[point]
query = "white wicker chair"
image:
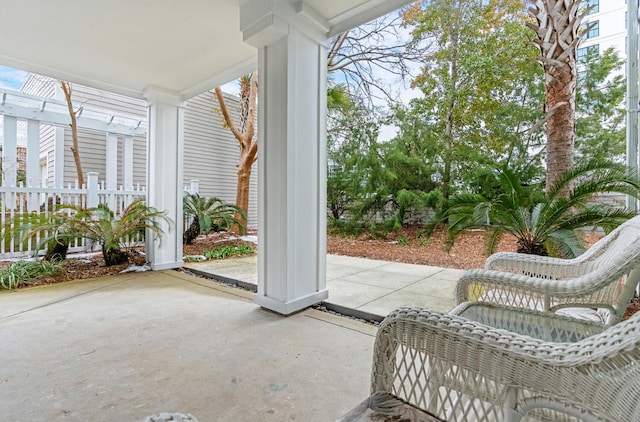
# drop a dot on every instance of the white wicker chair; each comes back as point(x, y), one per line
point(603, 277)
point(461, 370)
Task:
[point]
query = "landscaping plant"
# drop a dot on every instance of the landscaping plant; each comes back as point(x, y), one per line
point(209, 214)
point(20, 272)
point(46, 230)
point(544, 223)
point(99, 224)
point(222, 252)
point(115, 232)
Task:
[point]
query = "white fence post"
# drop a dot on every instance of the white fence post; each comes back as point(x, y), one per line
point(92, 189)
point(195, 186)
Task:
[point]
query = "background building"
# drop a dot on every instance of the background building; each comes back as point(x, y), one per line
point(609, 20)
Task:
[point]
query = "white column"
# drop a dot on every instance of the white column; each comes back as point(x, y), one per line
point(291, 156)
point(33, 154)
point(632, 93)
point(164, 174)
point(58, 148)
point(58, 160)
point(111, 161)
point(33, 163)
point(92, 188)
point(9, 151)
point(127, 162)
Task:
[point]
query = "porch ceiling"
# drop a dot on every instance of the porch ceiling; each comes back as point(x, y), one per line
point(127, 46)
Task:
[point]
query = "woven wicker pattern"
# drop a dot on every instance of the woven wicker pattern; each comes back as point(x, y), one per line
point(541, 325)
point(462, 370)
point(605, 276)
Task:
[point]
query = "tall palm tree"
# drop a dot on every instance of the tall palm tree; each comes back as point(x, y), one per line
point(545, 223)
point(557, 27)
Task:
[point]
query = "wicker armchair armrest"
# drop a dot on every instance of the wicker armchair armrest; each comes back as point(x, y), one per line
point(539, 266)
point(434, 360)
point(512, 289)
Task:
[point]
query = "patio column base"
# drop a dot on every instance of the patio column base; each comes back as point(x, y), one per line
point(291, 155)
point(292, 306)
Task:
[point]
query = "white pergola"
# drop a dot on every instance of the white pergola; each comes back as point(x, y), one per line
point(166, 51)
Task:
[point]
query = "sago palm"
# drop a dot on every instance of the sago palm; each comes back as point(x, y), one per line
point(209, 214)
point(545, 223)
point(42, 231)
point(115, 232)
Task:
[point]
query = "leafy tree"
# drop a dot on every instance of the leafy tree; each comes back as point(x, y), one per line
point(470, 83)
point(370, 180)
point(209, 214)
point(545, 222)
point(600, 126)
point(558, 29)
point(352, 159)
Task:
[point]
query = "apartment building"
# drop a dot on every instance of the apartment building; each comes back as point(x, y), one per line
point(607, 20)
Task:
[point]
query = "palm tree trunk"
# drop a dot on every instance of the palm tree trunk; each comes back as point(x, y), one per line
point(242, 193)
point(56, 250)
point(192, 232)
point(114, 256)
point(557, 26)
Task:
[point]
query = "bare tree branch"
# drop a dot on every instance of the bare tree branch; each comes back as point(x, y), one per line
point(362, 54)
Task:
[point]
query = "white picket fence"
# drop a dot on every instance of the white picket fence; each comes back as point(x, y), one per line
point(21, 199)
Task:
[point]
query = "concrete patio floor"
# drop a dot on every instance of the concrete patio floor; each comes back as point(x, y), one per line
point(359, 286)
point(121, 348)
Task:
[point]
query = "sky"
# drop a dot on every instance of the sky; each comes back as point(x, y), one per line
point(11, 78)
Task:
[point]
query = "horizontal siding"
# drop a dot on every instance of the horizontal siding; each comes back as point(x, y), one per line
point(40, 86)
point(47, 141)
point(92, 147)
point(211, 152)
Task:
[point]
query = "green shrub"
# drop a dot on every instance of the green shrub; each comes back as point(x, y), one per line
point(222, 252)
point(20, 272)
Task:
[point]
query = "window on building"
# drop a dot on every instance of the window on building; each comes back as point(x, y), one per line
point(592, 5)
point(592, 29)
point(585, 52)
point(582, 76)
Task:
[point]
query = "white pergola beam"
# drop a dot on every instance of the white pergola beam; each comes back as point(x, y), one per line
point(54, 112)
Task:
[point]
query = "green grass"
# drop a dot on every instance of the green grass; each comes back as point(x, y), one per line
point(402, 241)
point(222, 252)
point(22, 271)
